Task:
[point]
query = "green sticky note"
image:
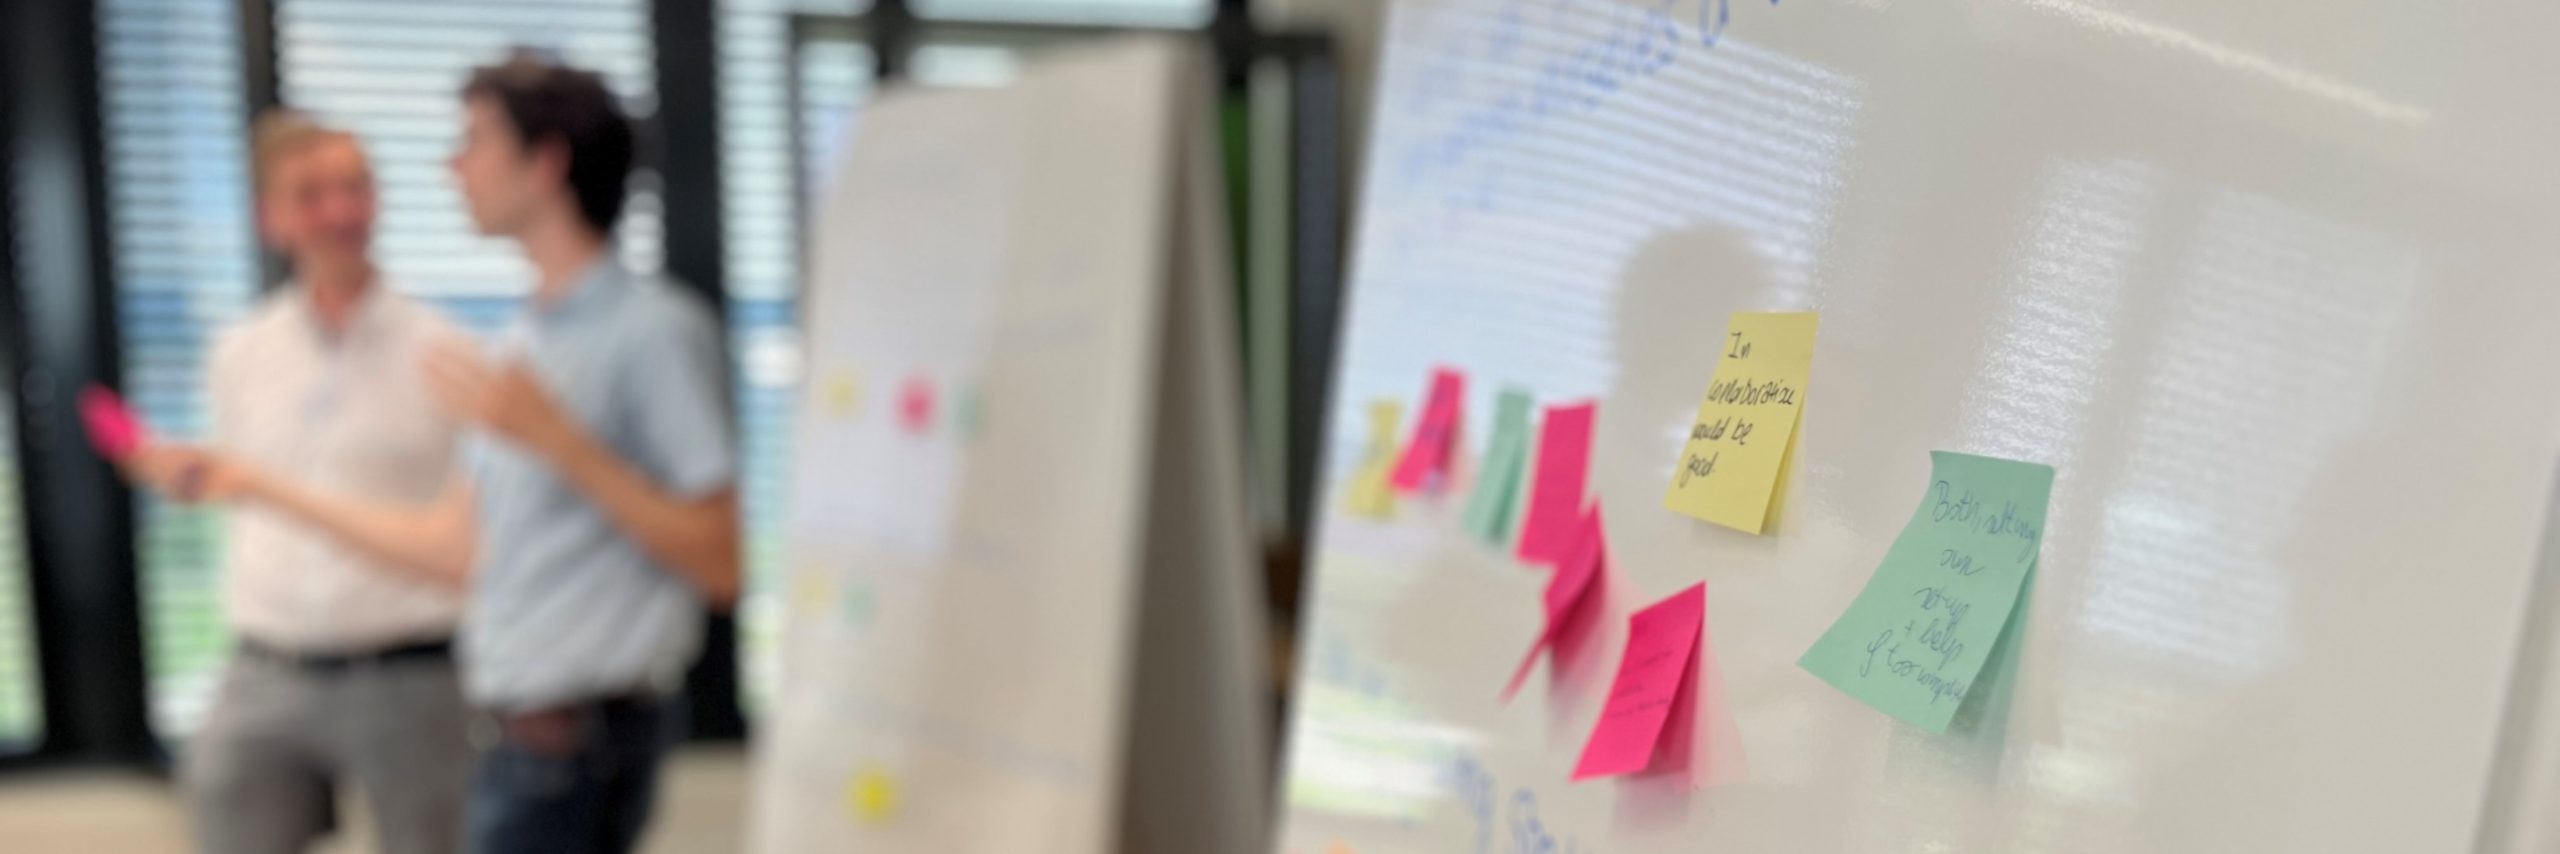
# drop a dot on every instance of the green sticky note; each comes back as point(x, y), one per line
point(1491, 506)
point(1916, 638)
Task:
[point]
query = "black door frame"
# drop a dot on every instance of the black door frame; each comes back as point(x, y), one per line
point(59, 317)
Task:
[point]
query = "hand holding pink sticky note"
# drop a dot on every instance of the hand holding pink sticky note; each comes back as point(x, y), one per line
point(113, 429)
point(1570, 600)
point(1657, 683)
point(1555, 500)
point(1435, 436)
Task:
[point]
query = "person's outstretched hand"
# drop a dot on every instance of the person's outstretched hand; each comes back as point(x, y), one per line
point(190, 473)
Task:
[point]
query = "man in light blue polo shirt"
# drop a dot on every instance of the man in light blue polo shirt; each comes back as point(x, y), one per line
point(598, 516)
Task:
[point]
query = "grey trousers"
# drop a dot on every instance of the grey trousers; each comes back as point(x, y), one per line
point(261, 776)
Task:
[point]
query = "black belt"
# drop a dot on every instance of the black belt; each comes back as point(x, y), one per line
point(333, 662)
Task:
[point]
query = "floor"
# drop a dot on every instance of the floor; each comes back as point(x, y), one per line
point(87, 812)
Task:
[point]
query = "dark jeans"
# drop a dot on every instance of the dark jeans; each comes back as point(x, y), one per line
point(585, 788)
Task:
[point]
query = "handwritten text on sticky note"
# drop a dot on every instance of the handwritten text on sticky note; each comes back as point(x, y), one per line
point(1914, 640)
point(1657, 680)
point(1745, 430)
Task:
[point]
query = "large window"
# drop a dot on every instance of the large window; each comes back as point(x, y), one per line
point(392, 71)
point(1169, 13)
point(21, 692)
point(389, 70)
point(763, 200)
point(177, 171)
point(21, 706)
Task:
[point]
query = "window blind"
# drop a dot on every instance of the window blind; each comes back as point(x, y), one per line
point(392, 72)
point(762, 201)
point(1161, 13)
point(184, 265)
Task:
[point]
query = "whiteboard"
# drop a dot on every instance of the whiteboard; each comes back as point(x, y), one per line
point(1006, 391)
point(2271, 286)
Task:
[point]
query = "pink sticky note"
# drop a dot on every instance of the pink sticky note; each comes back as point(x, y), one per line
point(1569, 600)
point(1655, 683)
point(1427, 456)
point(1555, 500)
point(113, 429)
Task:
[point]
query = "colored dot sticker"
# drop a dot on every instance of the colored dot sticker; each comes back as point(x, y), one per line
point(844, 394)
point(967, 413)
point(857, 604)
point(872, 797)
point(915, 404)
point(811, 590)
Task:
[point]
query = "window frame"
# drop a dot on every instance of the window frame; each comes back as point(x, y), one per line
point(61, 328)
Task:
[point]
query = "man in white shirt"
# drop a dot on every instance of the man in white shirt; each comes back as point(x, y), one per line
point(344, 670)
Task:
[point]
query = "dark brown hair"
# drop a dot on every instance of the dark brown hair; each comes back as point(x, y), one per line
point(551, 102)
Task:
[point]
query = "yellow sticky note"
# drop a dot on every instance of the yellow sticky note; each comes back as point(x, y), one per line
point(871, 797)
point(1371, 494)
point(1746, 429)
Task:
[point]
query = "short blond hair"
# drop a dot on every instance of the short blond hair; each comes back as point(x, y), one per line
point(282, 132)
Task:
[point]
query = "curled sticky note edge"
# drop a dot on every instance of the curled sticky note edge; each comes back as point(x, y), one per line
point(1568, 598)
